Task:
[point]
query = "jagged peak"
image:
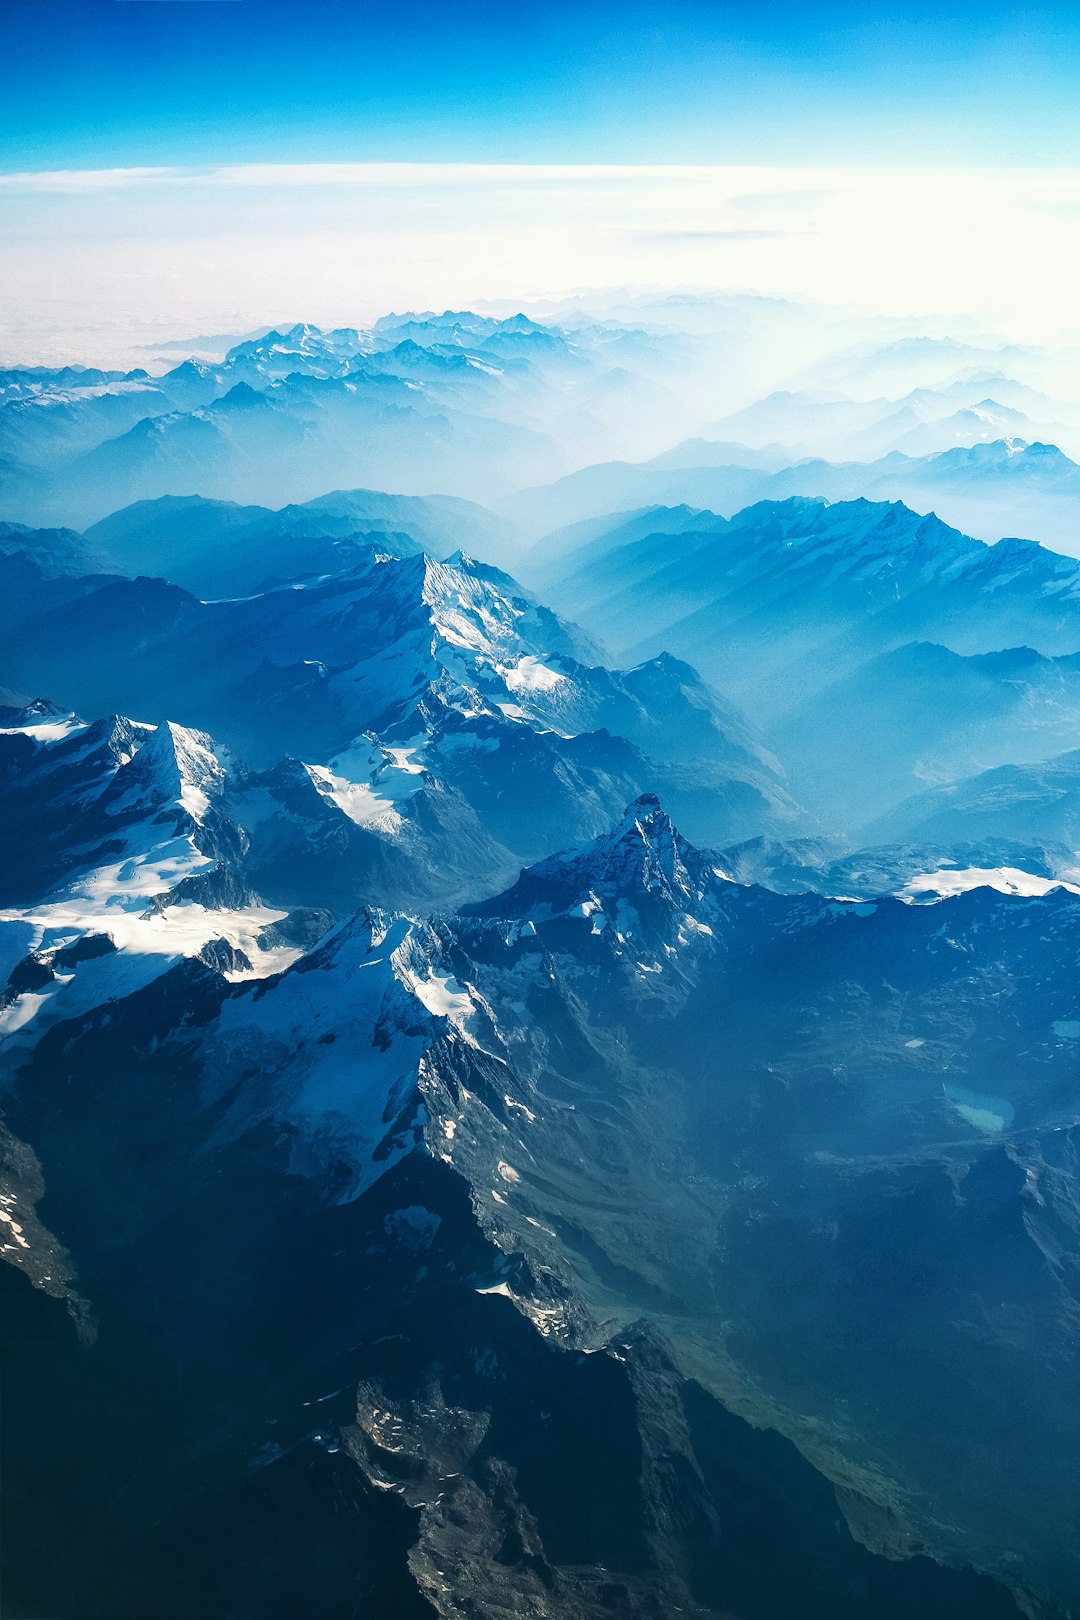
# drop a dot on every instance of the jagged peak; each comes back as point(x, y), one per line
point(175, 765)
point(645, 850)
point(645, 803)
point(471, 607)
point(20, 714)
point(1012, 548)
point(189, 368)
point(118, 736)
point(858, 532)
point(369, 929)
point(643, 859)
point(242, 396)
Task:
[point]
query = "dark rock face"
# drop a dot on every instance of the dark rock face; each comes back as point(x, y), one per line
point(513, 1328)
point(350, 1411)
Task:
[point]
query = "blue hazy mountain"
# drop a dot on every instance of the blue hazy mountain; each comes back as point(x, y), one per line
point(924, 715)
point(461, 404)
point(789, 595)
point(1038, 801)
point(218, 548)
point(991, 488)
point(295, 437)
point(49, 418)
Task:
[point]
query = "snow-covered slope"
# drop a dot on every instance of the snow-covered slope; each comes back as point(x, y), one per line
point(127, 864)
point(460, 676)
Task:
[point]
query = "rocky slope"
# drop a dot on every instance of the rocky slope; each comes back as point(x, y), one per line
point(531, 1231)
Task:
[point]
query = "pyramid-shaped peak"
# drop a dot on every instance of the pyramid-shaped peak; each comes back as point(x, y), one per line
point(117, 736)
point(175, 765)
point(645, 851)
point(644, 860)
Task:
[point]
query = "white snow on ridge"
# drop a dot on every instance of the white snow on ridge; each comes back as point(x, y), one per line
point(48, 731)
point(125, 886)
point(199, 769)
point(339, 1077)
point(189, 757)
point(13, 1228)
point(174, 765)
point(530, 675)
point(443, 997)
point(949, 881)
point(401, 759)
point(116, 900)
point(386, 774)
point(357, 800)
point(147, 946)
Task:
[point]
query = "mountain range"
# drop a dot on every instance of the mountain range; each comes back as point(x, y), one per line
point(538, 1020)
point(789, 594)
point(993, 487)
point(464, 405)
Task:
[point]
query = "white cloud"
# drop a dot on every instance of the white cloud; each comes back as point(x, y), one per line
point(166, 251)
point(82, 180)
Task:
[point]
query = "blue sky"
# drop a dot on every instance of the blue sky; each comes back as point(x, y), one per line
point(104, 83)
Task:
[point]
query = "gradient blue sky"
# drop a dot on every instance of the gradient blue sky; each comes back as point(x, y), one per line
point(103, 83)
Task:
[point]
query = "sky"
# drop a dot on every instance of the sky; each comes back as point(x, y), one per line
point(176, 165)
point(120, 83)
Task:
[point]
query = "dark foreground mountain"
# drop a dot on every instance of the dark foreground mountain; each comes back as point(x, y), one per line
point(574, 1255)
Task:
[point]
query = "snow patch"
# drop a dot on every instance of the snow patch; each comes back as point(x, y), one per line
point(530, 675)
point(948, 881)
point(443, 997)
point(357, 800)
point(990, 1115)
point(47, 731)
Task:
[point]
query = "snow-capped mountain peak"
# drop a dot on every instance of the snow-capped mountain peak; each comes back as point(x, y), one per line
point(176, 765)
point(643, 862)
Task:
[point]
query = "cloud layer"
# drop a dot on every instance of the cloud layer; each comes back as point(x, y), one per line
point(167, 250)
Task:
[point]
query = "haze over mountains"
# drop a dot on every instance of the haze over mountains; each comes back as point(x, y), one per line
point(538, 972)
point(469, 405)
